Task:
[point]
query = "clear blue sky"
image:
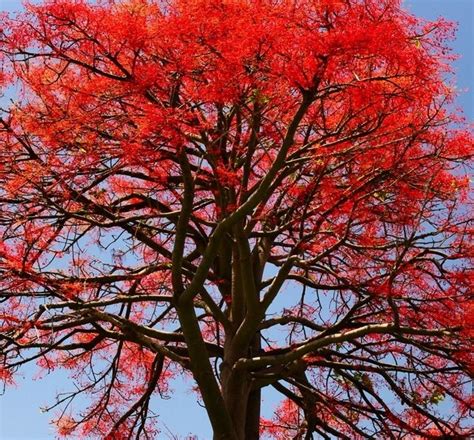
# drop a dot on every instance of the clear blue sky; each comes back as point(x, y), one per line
point(20, 416)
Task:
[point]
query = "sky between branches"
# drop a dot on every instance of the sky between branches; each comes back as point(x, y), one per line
point(20, 417)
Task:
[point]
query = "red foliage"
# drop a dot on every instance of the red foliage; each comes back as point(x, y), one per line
point(160, 159)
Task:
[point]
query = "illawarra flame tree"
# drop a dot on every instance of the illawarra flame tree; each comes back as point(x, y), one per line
point(252, 194)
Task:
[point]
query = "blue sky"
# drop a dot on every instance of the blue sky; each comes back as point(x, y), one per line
point(462, 12)
point(20, 415)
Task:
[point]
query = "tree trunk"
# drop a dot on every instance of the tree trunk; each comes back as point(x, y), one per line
point(241, 400)
point(221, 421)
point(252, 422)
point(236, 391)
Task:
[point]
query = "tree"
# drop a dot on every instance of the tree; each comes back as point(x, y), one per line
point(250, 193)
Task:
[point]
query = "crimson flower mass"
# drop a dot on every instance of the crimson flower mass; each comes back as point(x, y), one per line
point(247, 194)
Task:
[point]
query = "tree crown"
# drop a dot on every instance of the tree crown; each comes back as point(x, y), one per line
point(183, 180)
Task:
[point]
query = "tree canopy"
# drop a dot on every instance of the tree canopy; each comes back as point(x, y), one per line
point(250, 194)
